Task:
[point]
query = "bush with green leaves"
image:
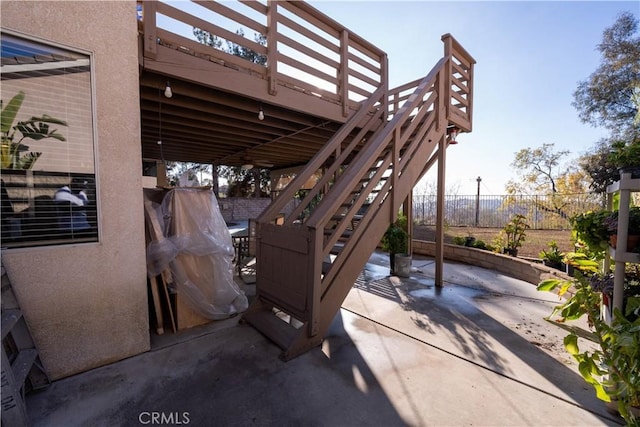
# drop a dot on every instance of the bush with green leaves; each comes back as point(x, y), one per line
point(590, 229)
point(613, 369)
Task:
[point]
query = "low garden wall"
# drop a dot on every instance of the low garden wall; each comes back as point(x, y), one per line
point(514, 267)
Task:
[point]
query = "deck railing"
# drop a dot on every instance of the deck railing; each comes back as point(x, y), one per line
point(460, 86)
point(304, 50)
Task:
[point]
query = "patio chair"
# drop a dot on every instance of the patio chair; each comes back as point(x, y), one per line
point(246, 253)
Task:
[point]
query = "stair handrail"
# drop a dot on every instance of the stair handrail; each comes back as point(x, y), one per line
point(331, 171)
point(459, 104)
point(320, 158)
point(428, 84)
point(372, 150)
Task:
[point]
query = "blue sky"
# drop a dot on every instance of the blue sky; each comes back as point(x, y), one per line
point(530, 57)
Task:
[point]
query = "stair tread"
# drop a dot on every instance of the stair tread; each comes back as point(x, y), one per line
point(265, 321)
point(345, 233)
point(326, 266)
point(336, 249)
point(9, 320)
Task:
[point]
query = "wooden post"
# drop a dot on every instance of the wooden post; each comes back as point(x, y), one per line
point(343, 73)
point(214, 180)
point(272, 46)
point(408, 211)
point(443, 98)
point(150, 29)
point(439, 240)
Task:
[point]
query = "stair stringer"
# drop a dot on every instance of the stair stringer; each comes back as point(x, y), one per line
point(404, 147)
point(324, 296)
point(362, 248)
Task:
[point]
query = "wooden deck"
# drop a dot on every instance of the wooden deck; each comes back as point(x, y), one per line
point(315, 73)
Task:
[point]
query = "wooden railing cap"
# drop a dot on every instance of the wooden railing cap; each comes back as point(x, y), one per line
point(457, 46)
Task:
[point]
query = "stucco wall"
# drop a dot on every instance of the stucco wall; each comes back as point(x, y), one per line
point(86, 304)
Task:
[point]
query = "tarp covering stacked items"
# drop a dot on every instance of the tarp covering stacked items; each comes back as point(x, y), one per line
point(190, 239)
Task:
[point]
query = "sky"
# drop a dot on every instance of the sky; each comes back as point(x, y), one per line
point(530, 57)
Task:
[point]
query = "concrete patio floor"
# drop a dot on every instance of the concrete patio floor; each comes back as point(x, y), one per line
point(400, 352)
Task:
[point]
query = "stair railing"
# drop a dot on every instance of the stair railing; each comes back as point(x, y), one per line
point(380, 164)
point(371, 114)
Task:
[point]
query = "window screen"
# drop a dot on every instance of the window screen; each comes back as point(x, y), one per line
point(47, 155)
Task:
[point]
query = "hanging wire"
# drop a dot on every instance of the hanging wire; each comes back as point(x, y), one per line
point(160, 123)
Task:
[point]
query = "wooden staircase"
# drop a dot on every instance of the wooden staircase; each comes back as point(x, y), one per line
point(307, 264)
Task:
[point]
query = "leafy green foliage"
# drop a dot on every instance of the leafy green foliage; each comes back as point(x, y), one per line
point(625, 155)
point(235, 49)
point(515, 231)
point(36, 129)
point(582, 261)
point(606, 97)
point(459, 240)
point(553, 255)
point(611, 97)
point(614, 368)
point(589, 228)
point(599, 165)
point(396, 239)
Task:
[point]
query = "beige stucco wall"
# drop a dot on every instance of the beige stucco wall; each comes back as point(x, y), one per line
point(86, 305)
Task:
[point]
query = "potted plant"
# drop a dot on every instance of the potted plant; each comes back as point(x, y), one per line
point(581, 261)
point(515, 232)
point(633, 230)
point(590, 229)
point(552, 257)
point(395, 241)
point(626, 157)
point(604, 283)
point(614, 367)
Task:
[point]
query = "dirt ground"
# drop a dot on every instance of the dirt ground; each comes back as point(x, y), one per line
point(535, 240)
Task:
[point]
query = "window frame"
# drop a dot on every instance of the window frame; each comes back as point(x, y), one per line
point(50, 233)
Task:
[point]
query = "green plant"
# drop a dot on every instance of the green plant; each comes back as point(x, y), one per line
point(395, 239)
point(459, 240)
point(36, 128)
point(553, 256)
point(625, 155)
point(479, 244)
point(613, 369)
point(582, 261)
point(611, 221)
point(590, 229)
point(515, 233)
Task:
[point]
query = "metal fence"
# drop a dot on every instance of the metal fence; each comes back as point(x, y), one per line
point(543, 212)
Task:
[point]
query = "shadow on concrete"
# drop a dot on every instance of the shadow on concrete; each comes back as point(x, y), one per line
point(228, 377)
point(452, 314)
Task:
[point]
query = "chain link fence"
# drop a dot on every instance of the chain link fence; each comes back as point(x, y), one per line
point(543, 212)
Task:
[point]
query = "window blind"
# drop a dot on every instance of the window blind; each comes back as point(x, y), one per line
point(47, 158)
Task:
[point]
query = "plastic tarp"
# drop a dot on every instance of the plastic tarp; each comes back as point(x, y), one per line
point(196, 247)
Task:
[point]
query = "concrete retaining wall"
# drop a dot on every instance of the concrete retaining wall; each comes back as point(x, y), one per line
point(515, 267)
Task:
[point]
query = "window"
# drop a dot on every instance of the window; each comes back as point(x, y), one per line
point(47, 155)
